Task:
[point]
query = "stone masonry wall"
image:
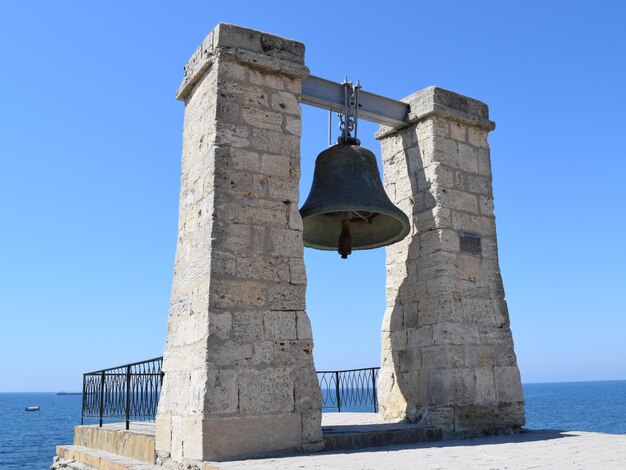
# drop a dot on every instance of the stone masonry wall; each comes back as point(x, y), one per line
point(448, 356)
point(239, 374)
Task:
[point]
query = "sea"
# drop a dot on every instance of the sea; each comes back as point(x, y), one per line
point(28, 439)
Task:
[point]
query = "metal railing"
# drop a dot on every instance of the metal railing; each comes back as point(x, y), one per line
point(349, 390)
point(128, 392)
point(131, 392)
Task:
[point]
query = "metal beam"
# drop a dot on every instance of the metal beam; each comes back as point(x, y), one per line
point(325, 94)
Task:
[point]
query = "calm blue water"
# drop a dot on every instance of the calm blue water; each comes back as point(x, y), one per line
point(28, 440)
point(580, 406)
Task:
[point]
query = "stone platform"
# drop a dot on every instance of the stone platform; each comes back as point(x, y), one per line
point(137, 443)
point(528, 450)
point(360, 430)
point(341, 431)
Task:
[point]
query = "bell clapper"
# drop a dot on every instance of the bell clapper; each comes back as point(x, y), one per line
point(345, 239)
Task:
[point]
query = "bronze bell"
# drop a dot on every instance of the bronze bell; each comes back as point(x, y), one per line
point(347, 207)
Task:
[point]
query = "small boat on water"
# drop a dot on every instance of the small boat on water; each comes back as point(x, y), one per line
point(31, 408)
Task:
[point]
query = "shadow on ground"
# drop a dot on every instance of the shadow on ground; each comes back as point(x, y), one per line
point(525, 436)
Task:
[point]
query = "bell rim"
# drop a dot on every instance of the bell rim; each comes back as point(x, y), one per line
point(313, 210)
point(400, 216)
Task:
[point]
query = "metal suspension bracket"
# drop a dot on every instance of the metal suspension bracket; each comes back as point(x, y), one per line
point(348, 120)
point(326, 94)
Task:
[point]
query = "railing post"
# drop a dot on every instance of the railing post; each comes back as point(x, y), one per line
point(82, 406)
point(101, 396)
point(374, 395)
point(337, 392)
point(127, 411)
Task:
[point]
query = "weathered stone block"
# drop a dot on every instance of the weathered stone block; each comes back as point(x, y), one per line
point(227, 353)
point(451, 385)
point(260, 392)
point(233, 237)
point(441, 417)
point(409, 360)
point(249, 435)
point(274, 142)
point(437, 240)
point(282, 188)
point(286, 102)
point(510, 414)
point(267, 268)
point(248, 325)
point(297, 272)
point(232, 135)
point(278, 165)
point(438, 356)
point(458, 131)
point(262, 118)
point(478, 355)
point(237, 293)
point(469, 267)
point(485, 385)
point(285, 242)
point(245, 94)
point(432, 309)
point(474, 417)
point(286, 296)
point(280, 325)
point(293, 126)
point(486, 205)
point(495, 335)
point(292, 352)
point(221, 396)
point(312, 439)
point(410, 316)
point(474, 310)
point(457, 200)
point(221, 325)
point(192, 437)
point(508, 384)
point(504, 355)
point(307, 395)
point(484, 225)
point(420, 336)
point(484, 162)
point(234, 71)
point(265, 79)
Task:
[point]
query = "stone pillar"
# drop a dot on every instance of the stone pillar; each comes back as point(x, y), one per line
point(239, 375)
point(447, 356)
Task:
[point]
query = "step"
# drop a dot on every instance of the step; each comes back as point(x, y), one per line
point(377, 435)
point(79, 457)
point(136, 443)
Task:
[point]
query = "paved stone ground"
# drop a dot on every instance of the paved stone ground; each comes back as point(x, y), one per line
point(529, 450)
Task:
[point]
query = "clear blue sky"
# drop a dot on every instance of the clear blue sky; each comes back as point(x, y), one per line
point(90, 144)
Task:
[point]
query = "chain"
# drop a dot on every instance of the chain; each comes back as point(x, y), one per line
point(348, 120)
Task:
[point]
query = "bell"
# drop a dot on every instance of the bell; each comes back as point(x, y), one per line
point(347, 208)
